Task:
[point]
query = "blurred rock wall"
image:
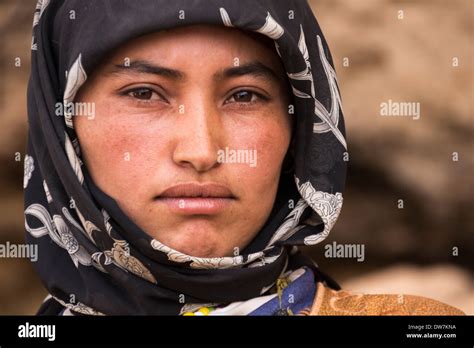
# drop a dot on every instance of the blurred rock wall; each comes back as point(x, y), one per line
point(400, 158)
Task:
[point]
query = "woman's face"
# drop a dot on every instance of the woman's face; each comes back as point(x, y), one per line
point(171, 108)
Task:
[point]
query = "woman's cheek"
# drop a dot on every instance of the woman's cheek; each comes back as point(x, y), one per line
point(267, 149)
point(107, 147)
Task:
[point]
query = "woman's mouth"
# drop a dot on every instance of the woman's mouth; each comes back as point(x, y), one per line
point(196, 199)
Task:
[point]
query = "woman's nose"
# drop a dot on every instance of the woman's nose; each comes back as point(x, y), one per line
point(198, 141)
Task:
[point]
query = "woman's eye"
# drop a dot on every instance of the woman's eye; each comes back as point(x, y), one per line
point(143, 93)
point(245, 97)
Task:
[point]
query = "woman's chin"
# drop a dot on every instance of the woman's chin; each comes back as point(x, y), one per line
point(198, 242)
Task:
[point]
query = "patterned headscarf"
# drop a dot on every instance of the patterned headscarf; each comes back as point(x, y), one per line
point(92, 258)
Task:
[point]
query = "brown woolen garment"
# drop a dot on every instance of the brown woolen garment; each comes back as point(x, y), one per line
point(343, 302)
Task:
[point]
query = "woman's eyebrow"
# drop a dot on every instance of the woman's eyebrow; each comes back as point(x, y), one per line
point(253, 68)
point(145, 67)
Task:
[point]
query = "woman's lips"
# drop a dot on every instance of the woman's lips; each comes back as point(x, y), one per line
point(196, 198)
point(196, 205)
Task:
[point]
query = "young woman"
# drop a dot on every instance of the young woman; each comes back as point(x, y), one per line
point(178, 154)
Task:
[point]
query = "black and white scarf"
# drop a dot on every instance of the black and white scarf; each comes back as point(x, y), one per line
point(92, 258)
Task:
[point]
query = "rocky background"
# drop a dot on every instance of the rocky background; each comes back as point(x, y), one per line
point(425, 248)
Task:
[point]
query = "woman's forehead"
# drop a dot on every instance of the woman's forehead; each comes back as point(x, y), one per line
point(214, 40)
point(205, 46)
